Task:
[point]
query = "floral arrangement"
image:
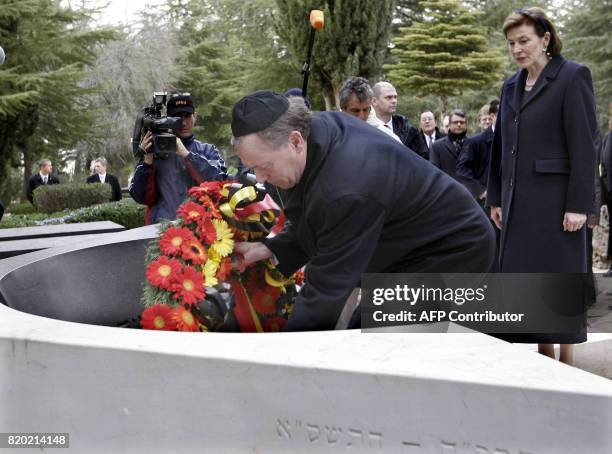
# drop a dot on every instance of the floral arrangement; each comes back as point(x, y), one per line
point(193, 262)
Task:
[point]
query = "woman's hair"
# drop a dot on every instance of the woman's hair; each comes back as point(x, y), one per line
point(541, 23)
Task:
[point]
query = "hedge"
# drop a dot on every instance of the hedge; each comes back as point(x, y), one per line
point(57, 197)
point(125, 212)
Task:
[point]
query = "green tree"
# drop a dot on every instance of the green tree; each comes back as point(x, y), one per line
point(228, 48)
point(44, 107)
point(587, 39)
point(445, 53)
point(354, 40)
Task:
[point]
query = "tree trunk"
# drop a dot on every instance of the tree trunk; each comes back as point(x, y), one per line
point(28, 164)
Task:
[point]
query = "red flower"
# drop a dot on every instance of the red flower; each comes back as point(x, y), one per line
point(191, 211)
point(225, 269)
point(158, 317)
point(208, 188)
point(299, 278)
point(172, 239)
point(194, 251)
point(163, 272)
point(184, 319)
point(210, 207)
point(264, 300)
point(189, 286)
point(207, 231)
point(274, 324)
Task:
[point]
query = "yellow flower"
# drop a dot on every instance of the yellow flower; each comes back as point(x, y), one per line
point(210, 273)
point(225, 243)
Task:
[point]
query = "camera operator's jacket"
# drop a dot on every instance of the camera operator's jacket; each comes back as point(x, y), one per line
point(163, 185)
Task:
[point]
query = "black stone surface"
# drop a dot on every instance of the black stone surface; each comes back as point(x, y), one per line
point(97, 282)
point(46, 231)
point(18, 247)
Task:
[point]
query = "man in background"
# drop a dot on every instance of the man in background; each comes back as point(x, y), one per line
point(43, 177)
point(384, 103)
point(162, 184)
point(102, 177)
point(429, 132)
point(445, 152)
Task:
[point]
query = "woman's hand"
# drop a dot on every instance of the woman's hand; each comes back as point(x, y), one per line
point(573, 222)
point(496, 216)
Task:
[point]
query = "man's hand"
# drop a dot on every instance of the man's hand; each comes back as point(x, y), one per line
point(252, 252)
point(496, 216)
point(573, 221)
point(483, 195)
point(145, 146)
point(180, 149)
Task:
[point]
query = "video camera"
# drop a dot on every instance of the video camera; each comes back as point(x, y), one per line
point(163, 128)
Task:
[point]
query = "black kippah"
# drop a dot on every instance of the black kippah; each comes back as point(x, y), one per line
point(257, 111)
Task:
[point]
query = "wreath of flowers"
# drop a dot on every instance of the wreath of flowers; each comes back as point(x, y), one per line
point(193, 257)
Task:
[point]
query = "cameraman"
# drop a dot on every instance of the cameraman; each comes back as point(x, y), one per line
point(162, 184)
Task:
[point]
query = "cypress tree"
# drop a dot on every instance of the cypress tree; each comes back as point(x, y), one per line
point(354, 40)
point(445, 53)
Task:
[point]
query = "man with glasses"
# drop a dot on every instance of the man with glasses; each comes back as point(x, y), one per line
point(445, 152)
point(162, 184)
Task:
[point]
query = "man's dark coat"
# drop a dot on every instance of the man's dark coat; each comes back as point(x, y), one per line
point(364, 205)
point(424, 150)
point(542, 166)
point(36, 181)
point(444, 156)
point(473, 163)
point(408, 134)
point(110, 179)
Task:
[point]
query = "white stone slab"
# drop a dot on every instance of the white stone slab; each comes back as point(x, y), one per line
point(120, 390)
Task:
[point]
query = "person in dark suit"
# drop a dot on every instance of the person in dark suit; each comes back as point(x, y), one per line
point(473, 162)
point(357, 203)
point(384, 102)
point(102, 177)
point(43, 177)
point(446, 151)
point(606, 181)
point(541, 179)
point(429, 132)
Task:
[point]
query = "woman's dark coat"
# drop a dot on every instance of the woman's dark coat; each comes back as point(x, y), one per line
point(542, 166)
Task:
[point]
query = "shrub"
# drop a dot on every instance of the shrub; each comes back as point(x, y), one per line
point(56, 197)
point(125, 212)
point(21, 208)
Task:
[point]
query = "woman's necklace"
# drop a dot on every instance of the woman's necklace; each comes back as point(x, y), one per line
point(527, 84)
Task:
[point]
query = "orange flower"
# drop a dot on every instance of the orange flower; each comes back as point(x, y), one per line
point(225, 269)
point(210, 207)
point(191, 211)
point(158, 317)
point(208, 188)
point(163, 272)
point(264, 300)
point(172, 240)
point(194, 251)
point(274, 324)
point(299, 278)
point(184, 319)
point(189, 286)
point(207, 231)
